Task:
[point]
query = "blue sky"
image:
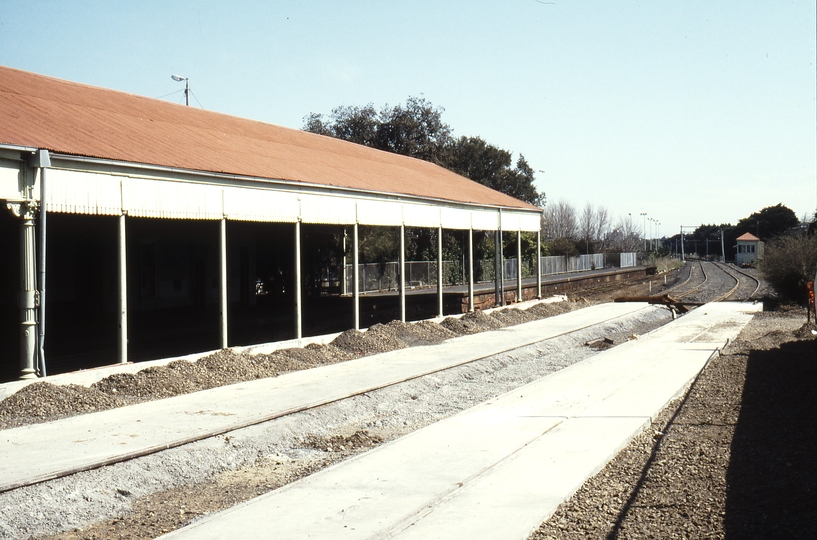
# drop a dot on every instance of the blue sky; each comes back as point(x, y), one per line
point(694, 112)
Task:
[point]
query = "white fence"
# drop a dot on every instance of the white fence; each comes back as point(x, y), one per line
point(383, 277)
point(628, 259)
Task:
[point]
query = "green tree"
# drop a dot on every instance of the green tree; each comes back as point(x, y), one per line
point(487, 164)
point(354, 124)
point(416, 129)
point(789, 263)
point(770, 222)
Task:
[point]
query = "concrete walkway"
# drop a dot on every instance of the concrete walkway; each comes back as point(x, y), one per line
point(44, 451)
point(501, 468)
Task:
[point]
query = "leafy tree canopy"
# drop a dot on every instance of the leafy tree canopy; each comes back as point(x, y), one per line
point(416, 129)
point(712, 231)
point(770, 222)
point(767, 223)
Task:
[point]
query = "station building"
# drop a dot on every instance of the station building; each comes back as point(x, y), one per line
point(133, 228)
point(749, 250)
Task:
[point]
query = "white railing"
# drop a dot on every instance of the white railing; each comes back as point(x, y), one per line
point(384, 276)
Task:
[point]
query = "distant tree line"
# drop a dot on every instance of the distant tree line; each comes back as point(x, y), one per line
point(766, 224)
point(570, 232)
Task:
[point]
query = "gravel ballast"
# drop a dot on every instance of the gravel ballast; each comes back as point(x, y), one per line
point(733, 458)
point(129, 496)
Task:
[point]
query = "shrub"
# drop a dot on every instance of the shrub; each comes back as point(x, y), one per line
point(789, 262)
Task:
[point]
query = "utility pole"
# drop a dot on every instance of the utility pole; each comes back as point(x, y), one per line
point(644, 215)
point(682, 240)
point(723, 253)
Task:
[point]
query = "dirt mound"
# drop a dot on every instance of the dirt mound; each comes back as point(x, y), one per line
point(342, 443)
point(329, 354)
point(294, 359)
point(419, 333)
point(807, 331)
point(42, 401)
point(431, 332)
point(378, 339)
point(151, 383)
point(542, 310)
point(196, 374)
point(472, 323)
point(233, 368)
point(512, 316)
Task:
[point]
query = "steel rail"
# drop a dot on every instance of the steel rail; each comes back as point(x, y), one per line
point(732, 290)
point(697, 287)
point(729, 270)
point(678, 285)
point(128, 456)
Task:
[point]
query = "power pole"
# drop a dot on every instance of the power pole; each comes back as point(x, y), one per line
point(723, 253)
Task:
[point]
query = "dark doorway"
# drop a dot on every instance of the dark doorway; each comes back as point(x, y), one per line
point(261, 282)
point(9, 287)
point(173, 287)
point(325, 309)
point(81, 292)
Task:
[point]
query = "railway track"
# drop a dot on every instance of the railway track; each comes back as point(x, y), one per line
point(696, 279)
point(746, 286)
point(710, 281)
point(424, 392)
point(115, 453)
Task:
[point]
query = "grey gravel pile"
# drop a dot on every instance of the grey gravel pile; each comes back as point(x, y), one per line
point(45, 402)
point(378, 339)
point(419, 333)
point(472, 323)
point(513, 316)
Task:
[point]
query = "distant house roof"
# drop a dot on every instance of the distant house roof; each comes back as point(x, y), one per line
point(76, 119)
point(748, 237)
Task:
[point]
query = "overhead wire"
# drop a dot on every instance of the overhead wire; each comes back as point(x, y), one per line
point(197, 99)
point(170, 94)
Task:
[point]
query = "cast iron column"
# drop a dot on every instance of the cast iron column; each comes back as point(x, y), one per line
point(27, 298)
point(439, 271)
point(356, 278)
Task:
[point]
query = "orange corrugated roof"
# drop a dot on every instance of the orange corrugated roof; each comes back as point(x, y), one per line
point(77, 119)
point(749, 237)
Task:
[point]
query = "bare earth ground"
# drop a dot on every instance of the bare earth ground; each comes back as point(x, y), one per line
point(731, 459)
point(734, 458)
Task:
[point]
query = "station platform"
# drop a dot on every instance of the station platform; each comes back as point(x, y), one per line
point(501, 468)
point(41, 452)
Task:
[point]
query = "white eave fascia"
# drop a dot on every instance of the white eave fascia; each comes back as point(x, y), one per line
point(18, 148)
point(292, 185)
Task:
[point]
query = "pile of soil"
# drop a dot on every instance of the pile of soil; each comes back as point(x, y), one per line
point(42, 401)
point(359, 440)
point(473, 323)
